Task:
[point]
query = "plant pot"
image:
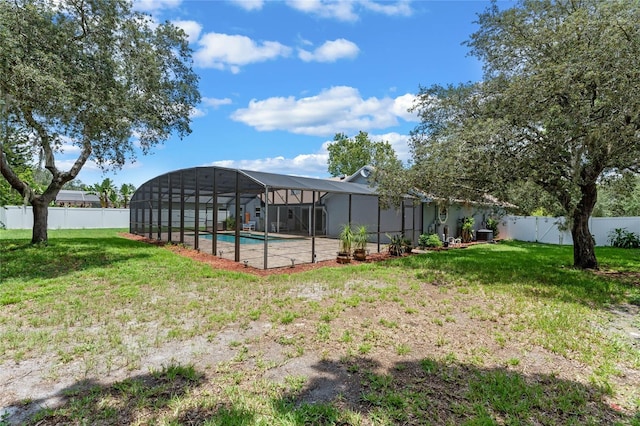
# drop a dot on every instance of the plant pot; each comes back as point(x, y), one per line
point(343, 258)
point(360, 254)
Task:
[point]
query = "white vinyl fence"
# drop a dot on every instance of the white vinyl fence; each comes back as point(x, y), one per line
point(523, 228)
point(545, 229)
point(21, 217)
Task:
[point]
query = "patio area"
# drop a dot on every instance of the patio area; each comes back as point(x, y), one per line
point(283, 249)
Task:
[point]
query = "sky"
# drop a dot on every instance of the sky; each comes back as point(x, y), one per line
point(279, 79)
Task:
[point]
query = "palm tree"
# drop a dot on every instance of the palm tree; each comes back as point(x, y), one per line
point(114, 199)
point(104, 191)
point(126, 191)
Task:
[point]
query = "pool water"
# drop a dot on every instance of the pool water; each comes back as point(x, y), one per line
point(245, 238)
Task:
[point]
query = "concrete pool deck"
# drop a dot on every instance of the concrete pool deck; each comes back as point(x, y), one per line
point(280, 252)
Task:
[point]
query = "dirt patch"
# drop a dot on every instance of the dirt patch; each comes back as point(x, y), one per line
point(630, 277)
point(35, 384)
point(626, 321)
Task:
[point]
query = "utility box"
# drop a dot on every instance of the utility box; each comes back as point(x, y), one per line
point(484, 235)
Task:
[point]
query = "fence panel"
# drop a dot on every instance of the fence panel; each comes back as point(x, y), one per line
point(545, 229)
point(601, 227)
point(523, 228)
point(21, 217)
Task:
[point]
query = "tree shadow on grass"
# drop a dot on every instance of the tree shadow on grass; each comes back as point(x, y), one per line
point(135, 400)
point(541, 270)
point(442, 392)
point(63, 256)
point(356, 391)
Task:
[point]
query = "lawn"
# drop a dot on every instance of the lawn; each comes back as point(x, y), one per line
point(100, 329)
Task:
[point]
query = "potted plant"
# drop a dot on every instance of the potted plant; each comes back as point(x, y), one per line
point(360, 238)
point(467, 229)
point(346, 240)
point(492, 224)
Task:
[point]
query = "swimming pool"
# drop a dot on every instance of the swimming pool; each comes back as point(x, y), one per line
point(246, 238)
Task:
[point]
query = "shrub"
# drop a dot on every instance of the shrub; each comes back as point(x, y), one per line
point(407, 244)
point(467, 229)
point(432, 240)
point(396, 246)
point(492, 224)
point(230, 223)
point(622, 238)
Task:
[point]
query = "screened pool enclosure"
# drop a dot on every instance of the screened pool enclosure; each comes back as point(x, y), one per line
point(263, 220)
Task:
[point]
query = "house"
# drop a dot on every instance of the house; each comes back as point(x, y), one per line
point(267, 219)
point(71, 198)
point(425, 214)
point(294, 219)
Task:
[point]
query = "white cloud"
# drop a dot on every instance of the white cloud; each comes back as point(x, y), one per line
point(155, 5)
point(399, 143)
point(312, 165)
point(209, 102)
point(338, 109)
point(401, 107)
point(304, 41)
point(215, 102)
point(69, 148)
point(401, 8)
point(249, 4)
point(341, 10)
point(67, 164)
point(330, 51)
point(192, 28)
point(347, 10)
point(197, 113)
point(223, 51)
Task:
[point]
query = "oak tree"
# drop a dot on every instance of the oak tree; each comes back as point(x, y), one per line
point(94, 75)
point(558, 108)
point(347, 155)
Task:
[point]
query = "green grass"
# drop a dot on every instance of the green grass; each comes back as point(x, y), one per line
point(104, 303)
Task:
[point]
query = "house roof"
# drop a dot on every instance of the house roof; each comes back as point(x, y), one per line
point(229, 184)
point(277, 181)
point(76, 196)
point(254, 181)
point(487, 200)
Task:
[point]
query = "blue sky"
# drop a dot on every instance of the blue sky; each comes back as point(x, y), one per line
point(280, 78)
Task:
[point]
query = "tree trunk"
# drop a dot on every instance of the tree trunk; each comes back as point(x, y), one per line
point(40, 221)
point(584, 255)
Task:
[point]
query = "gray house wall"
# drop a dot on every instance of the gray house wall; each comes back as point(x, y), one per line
point(364, 211)
point(452, 226)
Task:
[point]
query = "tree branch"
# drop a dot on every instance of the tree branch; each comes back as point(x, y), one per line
point(16, 183)
point(45, 142)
